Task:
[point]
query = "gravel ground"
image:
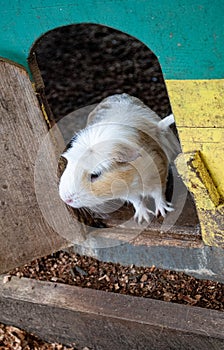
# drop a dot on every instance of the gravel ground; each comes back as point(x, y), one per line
point(151, 282)
point(81, 65)
point(12, 338)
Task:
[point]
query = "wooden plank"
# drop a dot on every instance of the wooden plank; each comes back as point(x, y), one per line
point(105, 321)
point(24, 233)
point(198, 108)
point(208, 199)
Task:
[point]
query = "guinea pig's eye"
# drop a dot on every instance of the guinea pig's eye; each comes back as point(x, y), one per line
point(95, 176)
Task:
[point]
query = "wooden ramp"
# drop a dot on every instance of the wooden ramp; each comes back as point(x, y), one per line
point(24, 234)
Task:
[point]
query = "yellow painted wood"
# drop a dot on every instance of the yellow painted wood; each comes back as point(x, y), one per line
point(197, 103)
point(209, 203)
point(210, 142)
point(198, 106)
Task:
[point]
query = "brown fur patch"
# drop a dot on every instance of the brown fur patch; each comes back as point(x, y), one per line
point(112, 182)
point(152, 147)
point(149, 169)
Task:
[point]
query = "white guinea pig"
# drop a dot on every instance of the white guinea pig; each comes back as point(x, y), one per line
point(123, 153)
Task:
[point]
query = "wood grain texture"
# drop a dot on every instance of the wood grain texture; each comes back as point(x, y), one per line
point(104, 321)
point(24, 234)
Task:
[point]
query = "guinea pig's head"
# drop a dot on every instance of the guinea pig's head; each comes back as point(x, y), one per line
point(99, 167)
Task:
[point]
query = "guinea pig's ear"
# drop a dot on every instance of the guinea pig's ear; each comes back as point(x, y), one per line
point(126, 154)
point(65, 155)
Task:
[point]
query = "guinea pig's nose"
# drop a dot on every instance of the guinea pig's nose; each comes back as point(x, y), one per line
point(68, 201)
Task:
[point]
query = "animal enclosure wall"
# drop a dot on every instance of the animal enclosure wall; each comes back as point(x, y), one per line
point(187, 37)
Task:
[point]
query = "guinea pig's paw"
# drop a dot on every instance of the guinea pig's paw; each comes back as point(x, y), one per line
point(163, 206)
point(142, 213)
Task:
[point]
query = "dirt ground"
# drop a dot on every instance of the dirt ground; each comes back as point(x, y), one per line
point(80, 65)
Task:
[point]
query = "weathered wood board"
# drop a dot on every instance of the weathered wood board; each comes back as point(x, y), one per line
point(104, 321)
point(24, 234)
point(198, 108)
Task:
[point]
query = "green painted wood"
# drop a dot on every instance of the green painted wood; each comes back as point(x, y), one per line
point(186, 36)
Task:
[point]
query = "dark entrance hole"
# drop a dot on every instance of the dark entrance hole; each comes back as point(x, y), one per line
point(82, 64)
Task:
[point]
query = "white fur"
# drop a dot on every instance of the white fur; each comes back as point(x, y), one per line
point(166, 122)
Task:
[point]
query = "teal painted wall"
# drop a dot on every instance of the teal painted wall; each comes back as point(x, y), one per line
point(187, 36)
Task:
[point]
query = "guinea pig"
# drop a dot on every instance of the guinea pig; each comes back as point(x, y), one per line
point(123, 153)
